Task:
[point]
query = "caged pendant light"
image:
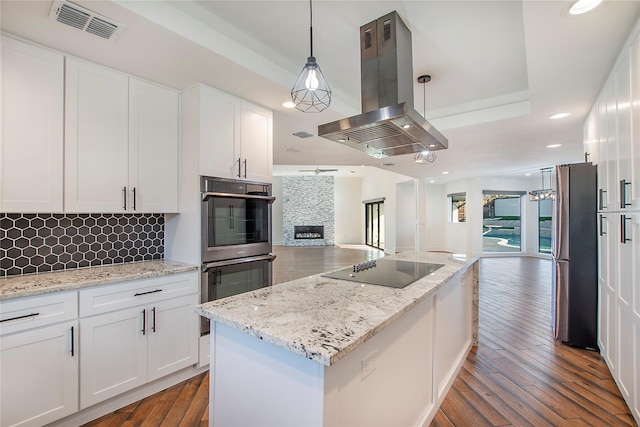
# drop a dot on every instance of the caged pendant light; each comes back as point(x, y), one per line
point(311, 92)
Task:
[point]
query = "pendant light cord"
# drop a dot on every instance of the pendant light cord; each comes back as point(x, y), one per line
point(311, 28)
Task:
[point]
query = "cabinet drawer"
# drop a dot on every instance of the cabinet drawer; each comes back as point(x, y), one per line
point(107, 298)
point(32, 312)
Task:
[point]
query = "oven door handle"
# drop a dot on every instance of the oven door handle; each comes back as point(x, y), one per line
point(269, 199)
point(210, 265)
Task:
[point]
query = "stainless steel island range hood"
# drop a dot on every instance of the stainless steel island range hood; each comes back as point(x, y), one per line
point(389, 124)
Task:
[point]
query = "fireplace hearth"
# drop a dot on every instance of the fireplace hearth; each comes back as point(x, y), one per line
point(308, 232)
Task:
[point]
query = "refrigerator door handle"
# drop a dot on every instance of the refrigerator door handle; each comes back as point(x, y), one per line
point(561, 301)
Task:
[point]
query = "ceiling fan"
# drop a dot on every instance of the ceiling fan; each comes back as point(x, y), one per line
point(317, 170)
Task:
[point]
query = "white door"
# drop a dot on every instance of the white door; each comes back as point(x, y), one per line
point(256, 143)
point(153, 148)
point(96, 138)
point(218, 132)
point(172, 336)
point(31, 142)
point(114, 354)
point(39, 375)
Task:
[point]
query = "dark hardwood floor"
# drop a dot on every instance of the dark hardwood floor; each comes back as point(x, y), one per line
point(518, 375)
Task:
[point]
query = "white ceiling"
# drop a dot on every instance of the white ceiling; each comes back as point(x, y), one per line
point(499, 68)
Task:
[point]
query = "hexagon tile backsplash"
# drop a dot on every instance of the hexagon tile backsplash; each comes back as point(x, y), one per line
point(34, 243)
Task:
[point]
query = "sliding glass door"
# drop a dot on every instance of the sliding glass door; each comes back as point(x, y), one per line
point(374, 223)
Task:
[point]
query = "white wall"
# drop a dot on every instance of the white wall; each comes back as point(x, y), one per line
point(381, 183)
point(349, 211)
point(406, 216)
point(467, 236)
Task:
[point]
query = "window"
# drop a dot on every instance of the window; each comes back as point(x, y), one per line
point(501, 221)
point(374, 223)
point(457, 207)
point(544, 226)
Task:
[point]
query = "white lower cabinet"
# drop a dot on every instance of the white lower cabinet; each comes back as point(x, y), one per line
point(38, 359)
point(152, 331)
point(114, 353)
point(453, 329)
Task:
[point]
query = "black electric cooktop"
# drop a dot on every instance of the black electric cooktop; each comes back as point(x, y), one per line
point(385, 272)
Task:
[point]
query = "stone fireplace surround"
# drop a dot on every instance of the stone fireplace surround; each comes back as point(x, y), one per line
point(308, 200)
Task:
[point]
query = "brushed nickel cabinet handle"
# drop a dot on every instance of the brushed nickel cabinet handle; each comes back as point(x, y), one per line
point(72, 343)
point(124, 198)
point(144, 321)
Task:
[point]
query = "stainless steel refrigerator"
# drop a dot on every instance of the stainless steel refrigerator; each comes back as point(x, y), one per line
point(575, 256)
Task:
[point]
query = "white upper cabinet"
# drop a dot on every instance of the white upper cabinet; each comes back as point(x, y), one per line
point(603, 155)
point(256, 142)
point(96, 138)
point(634, 54)
point(31, 141)
point(121, 142)
point(590, 144)
point(235, 137)
point(153, 147)
point(623, 128)
point(218, 132)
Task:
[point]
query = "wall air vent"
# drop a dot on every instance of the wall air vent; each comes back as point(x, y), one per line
point(83, 19)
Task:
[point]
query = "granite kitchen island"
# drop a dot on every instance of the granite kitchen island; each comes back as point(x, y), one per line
point(320, 351)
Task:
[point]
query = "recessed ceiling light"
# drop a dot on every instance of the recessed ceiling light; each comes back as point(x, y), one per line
point(288, 104)
point(559, 116)
point(352, 171)
point(527, 174)
point(445, 173)
point(583, 6)
point(554, 145)
point(432, 181)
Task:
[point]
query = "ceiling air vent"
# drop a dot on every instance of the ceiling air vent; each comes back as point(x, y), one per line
point(83, 19)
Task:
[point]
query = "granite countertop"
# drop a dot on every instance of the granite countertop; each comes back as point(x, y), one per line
point(323, 319)
point(44, 283)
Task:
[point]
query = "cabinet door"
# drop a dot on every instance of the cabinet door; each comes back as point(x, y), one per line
point(114, 354)
point(39, 375)
point(153, 148)
point(623, 130)
point(96, 138)
point(624, 305)
point(453, 330)
point(635, 123)
point(172, 336)
point(635, 313)
point(612, 146)
point(219, 132)
point(256, 142)
point(590, 138)
point(31, 142)
point(603, 155)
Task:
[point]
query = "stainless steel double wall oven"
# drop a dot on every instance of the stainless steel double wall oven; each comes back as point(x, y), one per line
point(236, 238)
